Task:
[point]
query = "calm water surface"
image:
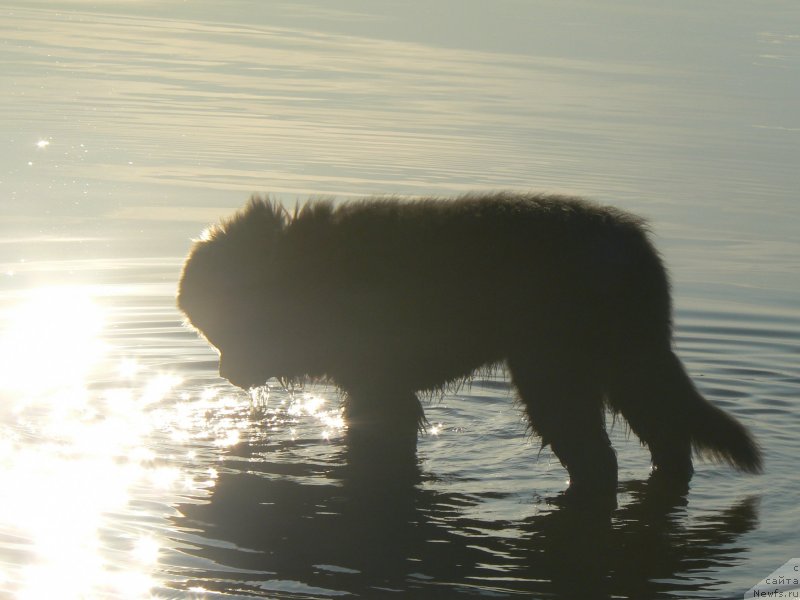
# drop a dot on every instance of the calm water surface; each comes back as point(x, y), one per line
point(128, 469)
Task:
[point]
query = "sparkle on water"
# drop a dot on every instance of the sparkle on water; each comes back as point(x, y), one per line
point(66, 432)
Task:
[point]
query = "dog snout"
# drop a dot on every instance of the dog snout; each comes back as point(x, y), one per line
point(231, 374)
point(236, 375)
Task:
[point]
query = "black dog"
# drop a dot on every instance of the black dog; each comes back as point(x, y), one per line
point(386, 298)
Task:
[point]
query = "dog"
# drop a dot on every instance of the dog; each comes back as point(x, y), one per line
point(386, 298)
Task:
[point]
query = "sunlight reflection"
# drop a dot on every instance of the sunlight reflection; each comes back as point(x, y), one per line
point(76, 455)
point(87, 434)
point(164, 477)
point(315, 406)
point(50, 341)
point(128, 368)
point(158, 387)
point(230, 438)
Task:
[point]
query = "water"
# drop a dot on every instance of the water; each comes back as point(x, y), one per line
point(128, 469)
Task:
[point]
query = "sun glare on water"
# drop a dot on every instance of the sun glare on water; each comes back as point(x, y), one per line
point(92, 429)
point(75, 434)
point(51, 340)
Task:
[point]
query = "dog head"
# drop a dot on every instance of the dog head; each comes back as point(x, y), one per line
point(225, 291)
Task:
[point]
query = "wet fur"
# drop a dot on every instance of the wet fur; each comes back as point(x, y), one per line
point(388, 297)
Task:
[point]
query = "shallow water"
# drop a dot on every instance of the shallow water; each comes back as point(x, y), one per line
point(130, 470)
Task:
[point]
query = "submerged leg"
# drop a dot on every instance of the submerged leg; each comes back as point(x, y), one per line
point(382, 428)
point(652, 392)
point(564, 403)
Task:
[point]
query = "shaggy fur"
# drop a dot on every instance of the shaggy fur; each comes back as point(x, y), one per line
point(387, 298)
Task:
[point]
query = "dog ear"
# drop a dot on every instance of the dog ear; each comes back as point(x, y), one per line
point(260, 217)
point(234, 254)
point(253, 231)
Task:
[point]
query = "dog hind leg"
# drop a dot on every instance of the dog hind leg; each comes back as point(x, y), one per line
point(653, 403)
point(564, 403)
point(664, 409)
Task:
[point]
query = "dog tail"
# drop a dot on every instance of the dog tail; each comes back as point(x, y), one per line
point(718, 436)
point(666, 411)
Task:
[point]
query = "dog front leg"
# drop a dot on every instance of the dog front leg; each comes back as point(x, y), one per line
point(382, 428)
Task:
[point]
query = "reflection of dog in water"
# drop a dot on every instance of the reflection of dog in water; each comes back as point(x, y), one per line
point(387, 298)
